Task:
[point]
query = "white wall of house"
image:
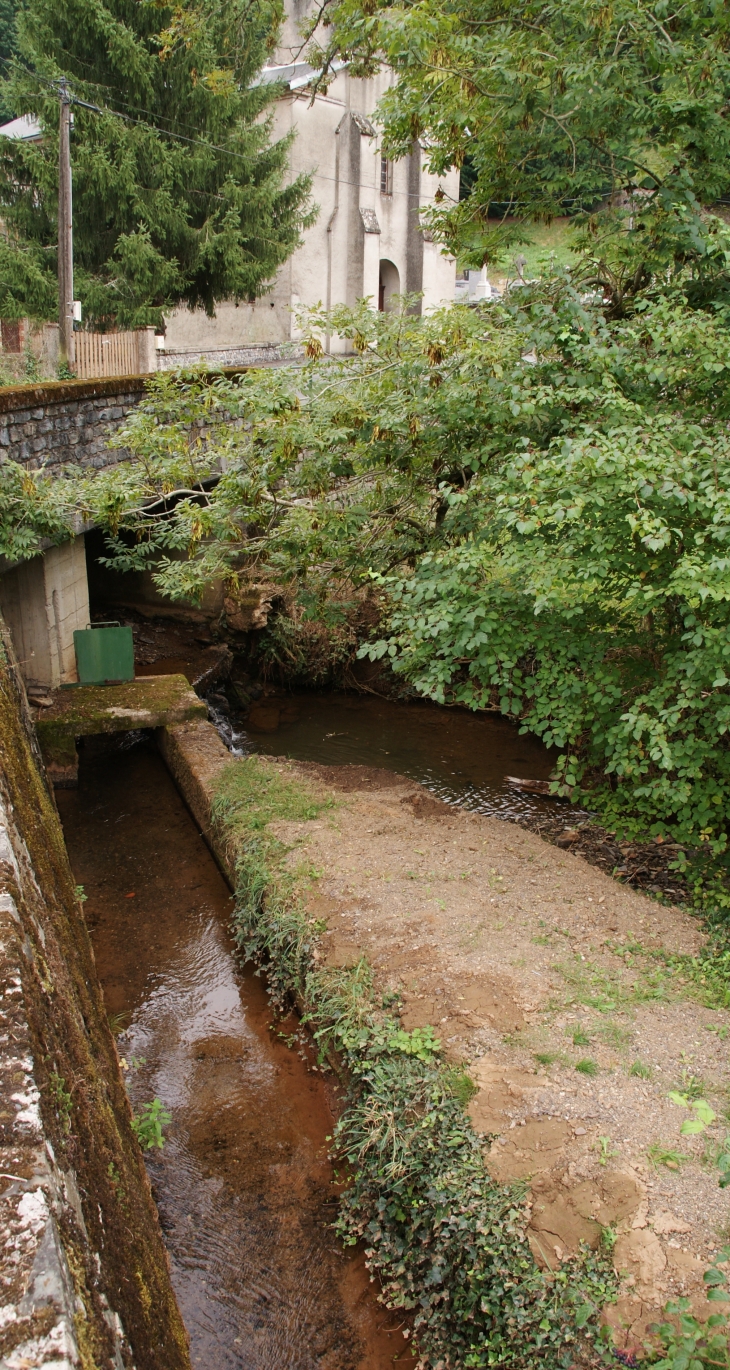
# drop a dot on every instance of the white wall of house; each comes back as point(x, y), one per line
point(43, 601)
point(367, 215)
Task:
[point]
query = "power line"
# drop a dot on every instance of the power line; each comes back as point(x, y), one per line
point(199, 142)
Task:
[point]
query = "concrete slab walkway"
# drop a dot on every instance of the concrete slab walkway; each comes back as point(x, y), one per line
point(85, 710)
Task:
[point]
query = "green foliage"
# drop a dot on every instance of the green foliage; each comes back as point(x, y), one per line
point(560, 106)
point(8, 12)
point(250, 795)
point(542, 503)
point(447, 1241)
point(702, 1115)
point(147, 1125)
point(587, 1066)
point(688, 1344)
point(640, 1071)
point(178, 194)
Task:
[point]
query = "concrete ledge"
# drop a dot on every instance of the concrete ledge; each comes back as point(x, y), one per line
point(195, 757)
point(149, 702)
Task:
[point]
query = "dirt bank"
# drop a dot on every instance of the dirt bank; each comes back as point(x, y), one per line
point(562, 990)
point(548, 978)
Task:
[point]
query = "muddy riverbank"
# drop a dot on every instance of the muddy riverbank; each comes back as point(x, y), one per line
point(244, 1188)
point(561, 990)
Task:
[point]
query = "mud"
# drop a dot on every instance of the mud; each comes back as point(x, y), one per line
point(244, 1188)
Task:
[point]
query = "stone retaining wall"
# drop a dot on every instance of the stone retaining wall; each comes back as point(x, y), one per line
point(64, 423)
point(84, 1272)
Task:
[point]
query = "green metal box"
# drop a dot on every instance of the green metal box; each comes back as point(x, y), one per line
point(104, 654)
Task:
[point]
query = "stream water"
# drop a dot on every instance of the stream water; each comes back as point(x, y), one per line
point(461, 757)
point(244, 1188)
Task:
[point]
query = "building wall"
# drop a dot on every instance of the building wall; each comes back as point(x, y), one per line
point(357, 226)
point(43, 601)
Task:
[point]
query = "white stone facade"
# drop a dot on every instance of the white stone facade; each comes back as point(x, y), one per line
point(367, 241)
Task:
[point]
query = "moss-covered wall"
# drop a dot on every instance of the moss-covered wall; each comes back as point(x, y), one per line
point(111, 1243)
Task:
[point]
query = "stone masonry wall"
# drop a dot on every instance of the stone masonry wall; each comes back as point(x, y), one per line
point(69, 423)
point(65, 423)
point(84, 1276)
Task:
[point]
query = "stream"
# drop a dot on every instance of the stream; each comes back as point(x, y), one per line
point(461, 757)
point(245, 1191)
point(244, 1188)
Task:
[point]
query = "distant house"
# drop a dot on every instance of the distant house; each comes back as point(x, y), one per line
point(367, 240)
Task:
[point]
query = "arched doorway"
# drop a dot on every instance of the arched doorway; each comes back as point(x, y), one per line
point(389, 284)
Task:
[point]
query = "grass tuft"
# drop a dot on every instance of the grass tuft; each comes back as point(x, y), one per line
point(587, 1066)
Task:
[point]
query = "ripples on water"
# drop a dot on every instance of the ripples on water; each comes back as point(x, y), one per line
point(460, 757)
point(243, 1186)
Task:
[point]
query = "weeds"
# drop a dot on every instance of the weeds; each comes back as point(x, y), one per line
point(147, 1125)
point(659, 1154)
point(702, 1115)
point(605, 1152)
point(587, 1066)
point(546, 1058)
point(687, 1343)
point(640, 1071)
point(614, 1035)
point(461, 1085)
point(606, 992)
point(581, 1038)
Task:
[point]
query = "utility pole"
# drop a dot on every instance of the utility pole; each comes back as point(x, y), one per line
point(65, 233)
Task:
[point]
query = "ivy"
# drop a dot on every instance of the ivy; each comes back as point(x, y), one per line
point(448, 1243)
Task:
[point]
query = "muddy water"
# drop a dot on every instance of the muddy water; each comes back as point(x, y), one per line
point(463, 758)
point(243, 1185)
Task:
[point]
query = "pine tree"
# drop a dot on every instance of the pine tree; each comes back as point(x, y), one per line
point(179, 193)
point(8, 10)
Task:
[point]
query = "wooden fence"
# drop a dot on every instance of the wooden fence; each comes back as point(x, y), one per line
point(114, 354)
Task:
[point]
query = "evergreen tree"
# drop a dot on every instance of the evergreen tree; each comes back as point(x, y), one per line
point(8, 10)
point(178, 189)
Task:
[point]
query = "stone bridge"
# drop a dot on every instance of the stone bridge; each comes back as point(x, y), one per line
point(49, 426)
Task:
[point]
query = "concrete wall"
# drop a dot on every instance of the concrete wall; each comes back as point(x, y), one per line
point(44, 601)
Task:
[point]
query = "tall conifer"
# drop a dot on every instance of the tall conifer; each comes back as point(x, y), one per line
point(179, 190)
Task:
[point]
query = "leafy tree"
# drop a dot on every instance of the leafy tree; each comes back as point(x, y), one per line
point(178, 188)
point(540, 494)
point(561, 105)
